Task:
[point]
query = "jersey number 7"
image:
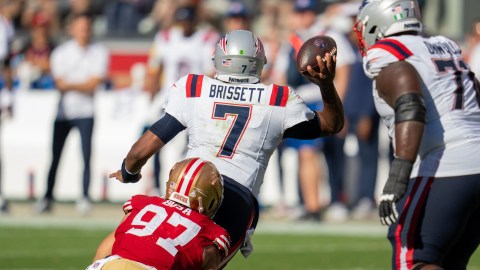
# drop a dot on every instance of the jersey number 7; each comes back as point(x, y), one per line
point(241, 117)
point(443, 65)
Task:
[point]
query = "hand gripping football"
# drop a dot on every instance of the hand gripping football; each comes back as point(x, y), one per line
point(318, 45)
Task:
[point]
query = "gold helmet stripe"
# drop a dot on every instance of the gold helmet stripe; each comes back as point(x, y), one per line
point(189, 175)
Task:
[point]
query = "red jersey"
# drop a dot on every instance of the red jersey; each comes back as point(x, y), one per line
point(166, 235)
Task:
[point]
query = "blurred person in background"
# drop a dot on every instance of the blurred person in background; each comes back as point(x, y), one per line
point(430, 102)
point(362, 121)
point(473, 49)
point(32, 61)
point(124, 16)
point(236, 122)
point(304, 25)
point(237, 17)
point(183, 48)
point(333, 147)
point(47, 9)
point(8, 10)
point(79, 67)
point(171, 232)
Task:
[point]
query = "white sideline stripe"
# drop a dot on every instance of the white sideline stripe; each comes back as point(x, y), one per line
point(264, 227)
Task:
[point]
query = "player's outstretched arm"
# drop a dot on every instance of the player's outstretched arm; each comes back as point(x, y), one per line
point(145, 147)
point(332, 117)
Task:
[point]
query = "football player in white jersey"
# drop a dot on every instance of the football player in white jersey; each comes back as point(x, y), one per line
point(236, 122)
point(429, 100)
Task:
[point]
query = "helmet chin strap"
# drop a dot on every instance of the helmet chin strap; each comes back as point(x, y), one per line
point(200, 205)
point(236, 79)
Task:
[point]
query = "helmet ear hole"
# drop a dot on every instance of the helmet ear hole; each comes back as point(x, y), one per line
point(212, 204)
point(373, 29)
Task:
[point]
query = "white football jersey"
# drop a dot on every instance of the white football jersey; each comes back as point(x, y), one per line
point(182, 55)
point(235, 126)
point(451, 141)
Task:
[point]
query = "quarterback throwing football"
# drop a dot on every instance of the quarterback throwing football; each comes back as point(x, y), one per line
point(236, 122)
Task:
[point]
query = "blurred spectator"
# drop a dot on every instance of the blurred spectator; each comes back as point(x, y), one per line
point(303, 18)
point(177, 51)
point(47, 9)
point(237, 17)
point(124, 16)
point(305, 24)
point(8, 10)
point(362, 121)
point(334, 145)
point(79, 66)
point(73, 8)
point(473, 49)
point(32, 61)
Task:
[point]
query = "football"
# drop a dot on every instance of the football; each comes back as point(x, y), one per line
point(318, 45)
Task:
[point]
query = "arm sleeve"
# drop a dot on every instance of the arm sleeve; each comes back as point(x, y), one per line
point(376, 59)
point(176, 102)
point(127, 207)
point(296, 110)
point(220, 238)
point(306, 130)
point(167, 128)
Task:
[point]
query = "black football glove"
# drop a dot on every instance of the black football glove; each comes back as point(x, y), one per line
point(394, 189)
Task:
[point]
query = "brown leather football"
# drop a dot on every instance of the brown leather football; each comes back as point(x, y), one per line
point(318, 45)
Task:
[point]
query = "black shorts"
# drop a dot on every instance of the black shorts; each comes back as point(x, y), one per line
point(439, 222)
point(238, 212)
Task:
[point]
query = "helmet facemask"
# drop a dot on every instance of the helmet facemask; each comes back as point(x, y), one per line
point(382, 18)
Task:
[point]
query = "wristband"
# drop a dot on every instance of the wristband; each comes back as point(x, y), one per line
point(129, 177)
point(400, 169)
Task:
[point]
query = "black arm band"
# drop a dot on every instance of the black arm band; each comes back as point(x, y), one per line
point(410, 107)
point(128, 177)
point(167, 128)
point(306, 130)
point(400, 169)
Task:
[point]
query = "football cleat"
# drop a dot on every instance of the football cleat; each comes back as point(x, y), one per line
point(197, 184)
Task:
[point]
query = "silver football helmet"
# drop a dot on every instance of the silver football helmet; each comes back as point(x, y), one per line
point(239, 57)
point(381, 18)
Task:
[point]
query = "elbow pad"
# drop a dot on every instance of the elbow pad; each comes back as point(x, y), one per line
point(410, 107)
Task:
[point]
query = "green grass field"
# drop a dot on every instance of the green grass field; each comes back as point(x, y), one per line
point(46, 247)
